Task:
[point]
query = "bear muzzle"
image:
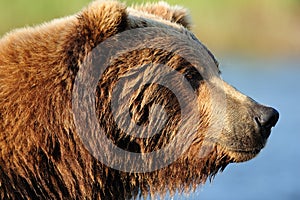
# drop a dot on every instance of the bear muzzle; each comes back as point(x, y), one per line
point(247, 125)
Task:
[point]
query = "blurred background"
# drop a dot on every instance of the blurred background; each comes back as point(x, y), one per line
point(260, 27)
point(257, 43)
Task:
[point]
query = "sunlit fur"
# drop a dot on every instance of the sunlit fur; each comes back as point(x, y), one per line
point(42, 156)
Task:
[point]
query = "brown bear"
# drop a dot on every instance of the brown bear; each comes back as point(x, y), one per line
point(118, 102)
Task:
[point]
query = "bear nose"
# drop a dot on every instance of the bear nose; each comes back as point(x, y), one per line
point(268, 118)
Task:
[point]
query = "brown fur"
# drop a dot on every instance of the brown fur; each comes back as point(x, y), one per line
point(162, 10)
point(42, 156)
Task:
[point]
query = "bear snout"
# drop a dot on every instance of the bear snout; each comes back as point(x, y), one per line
point(266, 119)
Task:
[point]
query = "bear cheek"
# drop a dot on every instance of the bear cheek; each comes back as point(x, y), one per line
point(203, 142)
point(204, 107)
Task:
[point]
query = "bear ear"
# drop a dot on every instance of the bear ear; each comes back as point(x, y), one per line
point(162, 9)
point(102, 19)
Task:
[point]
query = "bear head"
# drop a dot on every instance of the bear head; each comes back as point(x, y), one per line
point(117, 102)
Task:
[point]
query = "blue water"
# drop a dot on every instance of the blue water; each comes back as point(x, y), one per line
point(275, 173)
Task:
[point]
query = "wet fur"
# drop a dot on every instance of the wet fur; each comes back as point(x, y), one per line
point(41, 155)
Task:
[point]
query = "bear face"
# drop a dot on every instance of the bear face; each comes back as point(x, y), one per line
point(138, 74)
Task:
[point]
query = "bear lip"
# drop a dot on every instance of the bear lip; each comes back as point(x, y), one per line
point(253, 151)
point(241, 154)
point(238, 155)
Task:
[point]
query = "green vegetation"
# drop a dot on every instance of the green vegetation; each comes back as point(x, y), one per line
point(19, 13)
point(262, 27)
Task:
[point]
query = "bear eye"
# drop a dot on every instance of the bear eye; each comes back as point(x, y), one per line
point(218, 67)
point(208, 51)
point(213, 58)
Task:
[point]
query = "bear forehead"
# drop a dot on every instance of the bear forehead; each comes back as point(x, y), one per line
point(141, 19)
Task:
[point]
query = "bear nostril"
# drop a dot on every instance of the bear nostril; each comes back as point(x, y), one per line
point(268, 118)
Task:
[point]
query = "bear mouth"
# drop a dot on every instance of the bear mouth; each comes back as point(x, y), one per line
point(236, 154)
point(242, 155)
